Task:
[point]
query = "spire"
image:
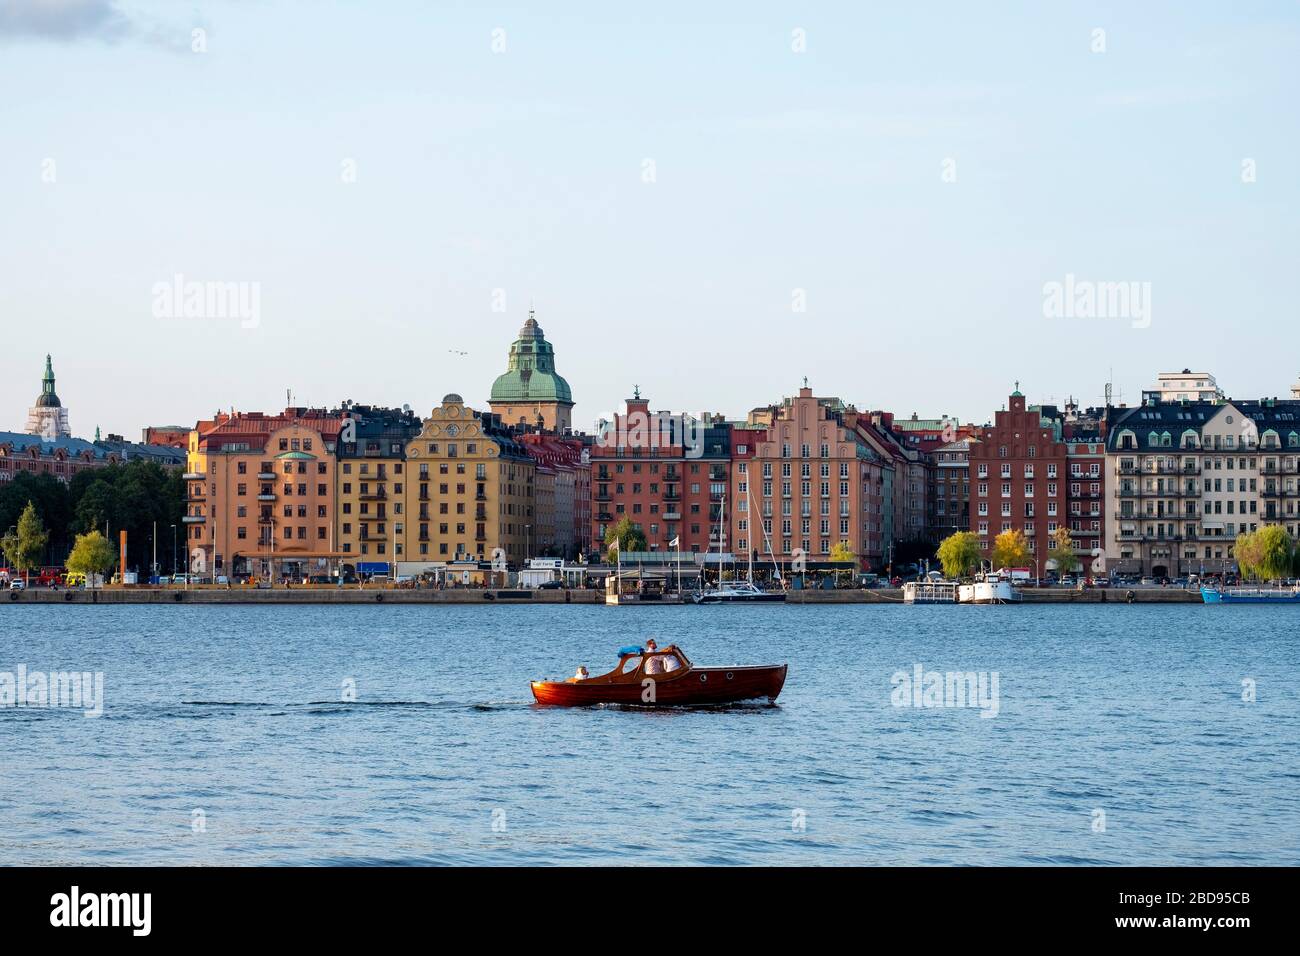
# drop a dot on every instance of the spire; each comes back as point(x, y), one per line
point(48, 398)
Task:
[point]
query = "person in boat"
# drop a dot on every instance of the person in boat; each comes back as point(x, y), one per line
point(582, 673)
point(654, 664)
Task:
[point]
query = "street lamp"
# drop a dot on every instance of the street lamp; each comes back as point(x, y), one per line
point(173, 549)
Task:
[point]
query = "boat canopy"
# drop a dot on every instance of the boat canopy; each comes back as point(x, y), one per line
point(630, 649)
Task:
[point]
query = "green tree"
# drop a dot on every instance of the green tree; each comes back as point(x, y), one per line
point(1011, 550)
point(92, 554)
point(628, 536)
point(24, 546)
point(1066, 558)
point(1275, 549)
point(1246, 552)
point(53, 505)
point(959, 554)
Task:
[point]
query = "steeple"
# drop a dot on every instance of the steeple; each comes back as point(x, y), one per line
point(48, 417)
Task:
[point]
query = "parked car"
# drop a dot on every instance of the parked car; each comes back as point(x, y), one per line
point(550, 586)
point(17, 584)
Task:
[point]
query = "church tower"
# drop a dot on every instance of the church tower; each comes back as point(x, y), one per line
point(530, 392)
point(48, 418)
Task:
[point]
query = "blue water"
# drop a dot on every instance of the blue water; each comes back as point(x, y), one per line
point(237, 712)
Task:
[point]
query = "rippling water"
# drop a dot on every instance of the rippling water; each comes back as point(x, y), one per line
point(238, 712)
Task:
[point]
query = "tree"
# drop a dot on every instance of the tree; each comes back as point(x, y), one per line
point(1265, 554)
point(92, 554)
point(53, 504)
point(959, 554)
point(1246, 551)
point(23, 548)
point(1066, 558)
point(841, 552)
point(628, 536)
point(1011, 550)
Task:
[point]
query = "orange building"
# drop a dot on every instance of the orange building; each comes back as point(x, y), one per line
point(261, 496)
point(816, 482)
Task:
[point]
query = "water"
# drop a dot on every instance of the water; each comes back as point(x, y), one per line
point(237, 712)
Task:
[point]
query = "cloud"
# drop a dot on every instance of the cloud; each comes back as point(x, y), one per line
point(63, 20)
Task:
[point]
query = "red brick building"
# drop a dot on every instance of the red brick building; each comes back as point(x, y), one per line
point(667, 473)
point(1018, 477)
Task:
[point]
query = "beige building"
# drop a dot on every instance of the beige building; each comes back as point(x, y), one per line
point(260, 496)
point(469, 489)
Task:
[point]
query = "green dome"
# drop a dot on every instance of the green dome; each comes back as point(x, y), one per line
point(531, 376)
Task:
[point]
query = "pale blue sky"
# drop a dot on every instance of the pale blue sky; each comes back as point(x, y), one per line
point(522, 170)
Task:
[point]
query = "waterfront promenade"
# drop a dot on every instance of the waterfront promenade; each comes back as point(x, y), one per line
point(489, 596)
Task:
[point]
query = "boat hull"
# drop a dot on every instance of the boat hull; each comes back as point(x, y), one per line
point(1212, 596)
point(988, 592)
point(697, 687)
point(739, 598)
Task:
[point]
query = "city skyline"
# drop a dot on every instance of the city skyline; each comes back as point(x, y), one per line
point(675, 201)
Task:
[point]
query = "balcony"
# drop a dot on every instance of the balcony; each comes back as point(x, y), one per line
point(672, 515)
point(193, 476)
point(194, 519)
point(266, 476)
point(266, 496)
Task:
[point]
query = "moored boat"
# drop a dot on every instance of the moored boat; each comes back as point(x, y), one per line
point(1211, 595)
point(664, 678)
point(988, 592)
point(740, 592)
point(930, 592)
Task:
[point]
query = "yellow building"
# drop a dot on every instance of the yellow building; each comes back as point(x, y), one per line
point(371, 485)
point(469, 489)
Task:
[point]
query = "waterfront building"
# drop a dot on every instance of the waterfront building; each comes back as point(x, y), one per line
point(668, 473)
point(950, 510)
point(563, 509)
point(743, 500)
point(1085, 498)
point(531, 393)
point(47, 416)
point(1019, 477)
point(370, 485)
point(469, 489)
point(912, 479)
point(1188, 477)
point(1277, 436)
point(261, 494)
point(823, 479)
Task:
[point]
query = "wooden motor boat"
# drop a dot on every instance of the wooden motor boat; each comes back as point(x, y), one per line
point(677, 682)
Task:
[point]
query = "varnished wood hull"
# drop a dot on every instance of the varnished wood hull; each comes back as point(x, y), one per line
point(697, 687)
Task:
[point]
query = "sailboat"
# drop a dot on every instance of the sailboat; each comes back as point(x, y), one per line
point(740, 592)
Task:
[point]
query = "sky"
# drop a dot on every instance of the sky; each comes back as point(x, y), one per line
point(708, 201)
